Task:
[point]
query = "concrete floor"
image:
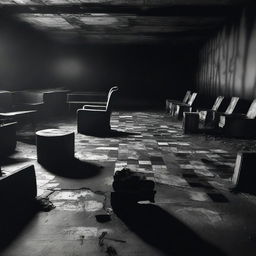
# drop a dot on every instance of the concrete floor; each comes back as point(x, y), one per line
point(194, 211)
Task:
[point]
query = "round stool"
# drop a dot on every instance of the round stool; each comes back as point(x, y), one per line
point(55, 146)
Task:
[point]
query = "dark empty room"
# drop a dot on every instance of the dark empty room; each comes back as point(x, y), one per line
point(127, 128)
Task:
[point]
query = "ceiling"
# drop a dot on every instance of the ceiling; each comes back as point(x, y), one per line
point(125, 21)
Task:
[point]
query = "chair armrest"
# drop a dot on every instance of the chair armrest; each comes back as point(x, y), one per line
point(207, 110)
point(174, 101)
point(96, 104)
point(233, 115)
point(92, 109)
point(217, 115)
point(202, 109)
point(181, 104)
point(236, 116)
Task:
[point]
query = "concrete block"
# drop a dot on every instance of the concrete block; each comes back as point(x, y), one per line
point(18, 188)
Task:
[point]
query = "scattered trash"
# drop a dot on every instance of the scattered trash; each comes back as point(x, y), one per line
point(44, 204)
point(109, 210)
point(82, 239)
point(115, 240)
point(111, 251)
point(103, 218)
point(101, 238)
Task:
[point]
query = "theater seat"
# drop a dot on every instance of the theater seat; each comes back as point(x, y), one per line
point(207, 115)
point(215, 118)
point(170, 103)
point(239, 125)
point(185, 107)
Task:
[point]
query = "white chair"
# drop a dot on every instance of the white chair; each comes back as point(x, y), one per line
point(96, 118)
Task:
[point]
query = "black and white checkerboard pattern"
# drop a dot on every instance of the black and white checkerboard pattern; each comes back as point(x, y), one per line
point(154, 144)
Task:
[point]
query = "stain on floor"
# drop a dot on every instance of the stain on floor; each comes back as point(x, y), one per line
point(77, 200)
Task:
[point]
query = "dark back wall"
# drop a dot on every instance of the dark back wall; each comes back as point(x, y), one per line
point(143, 73)
point(228, 61)
point(146, 74)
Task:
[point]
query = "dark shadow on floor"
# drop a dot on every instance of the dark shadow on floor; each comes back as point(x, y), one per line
point(210, 130)
point(218, 133)
point(75, 169)
point(28, 138)
point(14, 219)
point(110, 134)
point(162, 230)
point(10, 160)
point(201, 182)
point(223, 170)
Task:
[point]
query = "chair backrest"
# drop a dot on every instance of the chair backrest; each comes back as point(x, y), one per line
point(231, 105)
point(186, 97)
point(111, 91)
point(192, 98)
point(217, 103)
point(251, 113)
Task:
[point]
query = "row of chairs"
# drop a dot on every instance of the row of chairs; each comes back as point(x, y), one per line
point(226, 122)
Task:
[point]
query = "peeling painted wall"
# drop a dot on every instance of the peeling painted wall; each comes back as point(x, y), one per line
point(228, 61)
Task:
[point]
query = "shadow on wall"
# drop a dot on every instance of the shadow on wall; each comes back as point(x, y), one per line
point(227, 63)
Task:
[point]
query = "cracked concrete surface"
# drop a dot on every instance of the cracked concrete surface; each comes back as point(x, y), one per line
point(194, 211)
